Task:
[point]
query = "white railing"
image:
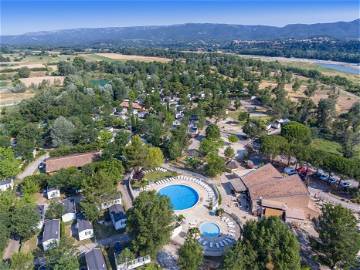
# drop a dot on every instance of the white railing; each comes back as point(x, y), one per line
point(133, 264)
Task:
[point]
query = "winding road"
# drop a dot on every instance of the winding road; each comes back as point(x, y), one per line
point(32, 167)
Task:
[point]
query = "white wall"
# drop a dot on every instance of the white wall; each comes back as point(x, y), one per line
point(86, 234)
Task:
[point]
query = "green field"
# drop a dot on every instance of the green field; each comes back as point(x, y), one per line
point(327, 146)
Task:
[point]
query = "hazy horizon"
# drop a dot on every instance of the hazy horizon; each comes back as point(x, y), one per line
point(24, 16)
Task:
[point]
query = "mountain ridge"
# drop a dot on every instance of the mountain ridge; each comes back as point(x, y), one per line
point(188, 32)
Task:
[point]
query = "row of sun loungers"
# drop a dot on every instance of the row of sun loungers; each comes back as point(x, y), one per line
point(221, 243)
point(159, 169)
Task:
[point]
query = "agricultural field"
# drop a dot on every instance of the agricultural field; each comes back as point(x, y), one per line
point(53, 80)
point(122, 57)
point(9, 99)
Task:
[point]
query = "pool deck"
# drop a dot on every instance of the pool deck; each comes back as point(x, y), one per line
point(199, 214)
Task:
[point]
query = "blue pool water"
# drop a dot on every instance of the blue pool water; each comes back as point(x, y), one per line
point(209, 229)
point(181, 197)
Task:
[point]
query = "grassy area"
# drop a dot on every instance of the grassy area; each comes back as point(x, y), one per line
point(157, 175)
point(327, 146)
point(152, 177)
point(29, 245)
point(103, 231)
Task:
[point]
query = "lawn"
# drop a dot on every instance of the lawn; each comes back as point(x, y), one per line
point(29, 245)
point(327, 146)
point(158, 175)
point(104, 231)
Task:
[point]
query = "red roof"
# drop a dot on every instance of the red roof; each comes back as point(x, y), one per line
point(75, 160)
point(135, 105)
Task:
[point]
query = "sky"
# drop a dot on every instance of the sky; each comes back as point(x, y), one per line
point(24, 16)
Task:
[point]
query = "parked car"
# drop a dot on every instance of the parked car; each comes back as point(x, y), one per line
point(41, 166)
point(118, 248)
point(345, 184)
point(332, 180)
point(289, 171)
point(324, 177)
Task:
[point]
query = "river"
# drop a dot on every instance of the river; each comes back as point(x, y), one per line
point(348, 68)
point(342, 67)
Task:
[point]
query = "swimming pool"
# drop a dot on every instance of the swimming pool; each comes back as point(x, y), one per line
point(209, 229)
point(181, 196)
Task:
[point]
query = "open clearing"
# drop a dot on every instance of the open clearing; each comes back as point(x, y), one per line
point(59, 80)
point(343, 104)
point(9, 99)
point(17, 65)
point(140, 58)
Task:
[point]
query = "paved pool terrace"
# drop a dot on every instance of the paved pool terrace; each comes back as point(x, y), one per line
point(199, 214)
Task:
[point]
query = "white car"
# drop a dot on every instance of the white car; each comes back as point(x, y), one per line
point(345, 184)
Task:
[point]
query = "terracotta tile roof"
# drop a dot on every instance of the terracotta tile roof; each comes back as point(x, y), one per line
point(268, 183)
point(75, 160)
point(135, 105)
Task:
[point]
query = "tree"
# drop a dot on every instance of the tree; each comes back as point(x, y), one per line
point(90, 210)
point(9, 165)
point(62, 132)
point(24, 72)
point(116, 148)
point(174, 149)
point(233, 138)
point(296, 85)
point(104, 138)
point(30, 185)
point(243, 116)
point(326, 112)
point(4, 231)
point(125, 256)
point(62, 257)
point(296, 133)
point(149, 222)
point(266, 244)
point(212, 132)
point(136, 152)
point(24, 220)
point(20, 260)
point(254, 128)
point(214, 165)
point(208, 146)
point(55, 210)
point(339, 239)
point(229, 152)
point(273, 145)
point(190, 254)
point(154, 158)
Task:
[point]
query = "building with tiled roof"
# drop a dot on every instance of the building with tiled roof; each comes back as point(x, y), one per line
point(269, 189)
point(75, 160)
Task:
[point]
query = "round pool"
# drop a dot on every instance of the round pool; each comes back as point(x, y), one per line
point(181, 196)
point(209, 229)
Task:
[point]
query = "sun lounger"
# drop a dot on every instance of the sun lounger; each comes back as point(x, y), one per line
point(211, 244)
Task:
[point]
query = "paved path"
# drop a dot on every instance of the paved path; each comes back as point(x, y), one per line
point(330, 198)
point(122, 238)
point(110, 241)
point(12, 247)
point(32, 167)
point(122, 187)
